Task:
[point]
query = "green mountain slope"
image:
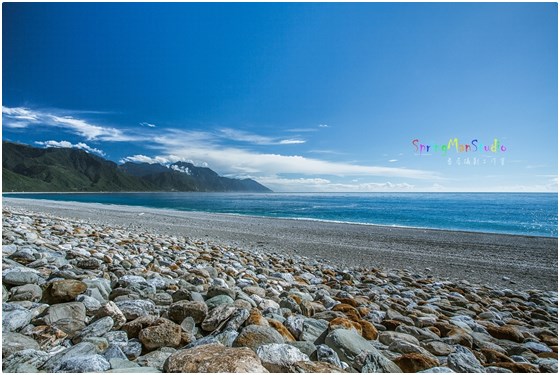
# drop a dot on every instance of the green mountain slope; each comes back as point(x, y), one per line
point(27, 168)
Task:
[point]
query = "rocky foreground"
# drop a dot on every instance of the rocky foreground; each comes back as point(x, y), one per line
point(84, 298)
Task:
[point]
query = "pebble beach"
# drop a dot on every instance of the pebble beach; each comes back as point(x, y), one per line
point(131, 293)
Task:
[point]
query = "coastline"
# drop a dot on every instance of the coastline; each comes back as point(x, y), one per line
point(511, 261)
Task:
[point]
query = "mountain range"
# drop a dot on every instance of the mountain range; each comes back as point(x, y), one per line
point(26, 168)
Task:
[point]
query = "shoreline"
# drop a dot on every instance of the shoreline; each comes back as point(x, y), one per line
point(271, 217)
point(519, 261)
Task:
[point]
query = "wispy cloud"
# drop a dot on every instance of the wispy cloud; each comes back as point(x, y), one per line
point(393, 160)
point(323, 126)
point(324, 185)
point(20, 117)
point(243, 136)
point(147, 124)
point(228, 159)
point(66, 144)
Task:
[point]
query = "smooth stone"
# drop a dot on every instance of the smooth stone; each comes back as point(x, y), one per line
point(217, 316)
point(214, 291)
point(112, 310)
point(95, 329)
point(15, 319)
point(61, 291)
point(69, 310)
point(69, 326)
point(132, 349)
point(306, 347)
point(27, 292)
point(197, 310)
point(189, 326)
point(91, 363)
point(349, 345)
point(254, 336)
point(118, 338)
point(155, 359)
point(79, 350)
point(206, 340)
point(135, 370)
point(388, 337)
point(437, 348)
point(226, 338)
point(414, 362)
point(495, 369)
point(14, 342)
point(25, 360)
point(436, 370)
point(120, 363)
point(419, 333)
point(163, 333)
point(537, 347)
point(213, 358)
point(133, 309)
point(237, 319)
point(219, 300)
point(114, 352)
point(374, 361)
point(314, 330)
point(279, 357)
point(326, 354)
point(92, 305)
point(18, 277)
point(463, 360)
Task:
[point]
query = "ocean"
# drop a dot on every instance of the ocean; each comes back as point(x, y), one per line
point(534, 214)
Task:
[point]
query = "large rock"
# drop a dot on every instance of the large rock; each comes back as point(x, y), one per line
point(156, 358)
point(112, 310)
point(14, 318)
point(163, 333)
point(95, 329)
point(80, 350)
point(279, 357)
point(90, 363)
point(133, 309)
point(388, 337)
point(18, 277)
point(463, 360)
point(217, 316)
point(254, 336)
point(414, 362)
point(70, 310)
point(352, 348)
point(178, 311)
point(61, 291)
point(14, 342)
point(25, 360)
point(27, 292)
point(374, 361)
point(507, 332)
point(213, 358)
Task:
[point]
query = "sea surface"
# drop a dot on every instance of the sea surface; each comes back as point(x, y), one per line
point(534, 214)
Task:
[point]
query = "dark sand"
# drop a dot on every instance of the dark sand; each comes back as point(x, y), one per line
point(529, 262)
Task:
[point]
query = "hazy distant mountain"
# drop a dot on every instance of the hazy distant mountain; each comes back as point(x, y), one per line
point(26, 168)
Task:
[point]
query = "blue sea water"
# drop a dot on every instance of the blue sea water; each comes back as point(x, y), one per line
point(533, 214)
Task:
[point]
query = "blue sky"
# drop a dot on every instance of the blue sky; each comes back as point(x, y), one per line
point(301, 97)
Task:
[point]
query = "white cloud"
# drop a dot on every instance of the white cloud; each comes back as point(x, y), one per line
point(323, 126)
point(201, 146)
point(243, 136)
point(66, 144)
point(149, 160)
point(393, 160)
point(20, 117)
point(324, 185)
point(291, 142)
point(181, 169)
point(147, 124)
